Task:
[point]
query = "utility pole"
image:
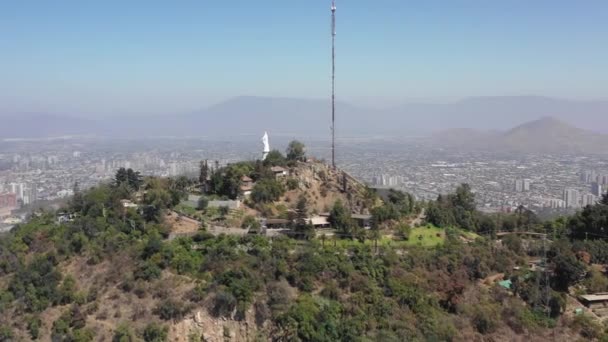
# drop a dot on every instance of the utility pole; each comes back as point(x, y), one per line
point(333, 84)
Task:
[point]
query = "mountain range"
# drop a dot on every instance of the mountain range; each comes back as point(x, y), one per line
point(251, 116)
point(545, 135)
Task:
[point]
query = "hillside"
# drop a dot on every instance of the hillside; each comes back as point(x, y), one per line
point(112, 271)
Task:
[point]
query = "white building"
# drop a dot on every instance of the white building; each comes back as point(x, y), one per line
point(572, 198)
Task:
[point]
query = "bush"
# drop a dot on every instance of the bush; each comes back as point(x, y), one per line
point(224, 304)
point(203, 202)
point(147, 271)
point(171, 309)
point(33, 327)
point(292, 184)
point(155, 333)
point(250, 222)
point(266, 191)
point(123, 334)
point(6, 333)
point(485, 318)
point(587, 326)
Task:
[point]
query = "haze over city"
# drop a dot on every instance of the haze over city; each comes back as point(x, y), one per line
point(320, 170)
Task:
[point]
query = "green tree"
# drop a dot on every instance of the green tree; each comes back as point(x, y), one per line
point(155, 333)
point(340, 218)
point(275, 158)
point(267, 190)
point(203, 202)
point(203, 176)
point(128, 177)
point(568, 270)
point(251, 223)
point(224, 211)
point(303, 227)
point(296, 151)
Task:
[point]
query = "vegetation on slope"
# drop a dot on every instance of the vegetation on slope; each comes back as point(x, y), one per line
point(112, 272)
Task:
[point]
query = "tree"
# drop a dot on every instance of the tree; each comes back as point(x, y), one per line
point(251, 223)
point(296, 151)
point(203, 174)
point(464, 198)
point(224, 211)
point(275, 158)
point(568, 270)
point(128, 177)
point(303, 227)
point(340, 218)
point(134, 179)
point(384, 213)
point(227, 181)
point(202, 204)
point(267, 190)
point(403, 202)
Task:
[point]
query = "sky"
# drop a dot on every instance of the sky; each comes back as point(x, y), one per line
point(95, 58)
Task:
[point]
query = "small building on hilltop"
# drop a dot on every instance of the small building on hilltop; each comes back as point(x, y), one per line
point(279, 171)
point(597, 303)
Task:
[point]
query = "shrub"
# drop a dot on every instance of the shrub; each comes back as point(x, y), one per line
point(587, 326)
point(224, 304)
point(292, 184)
point(155, 333)
point(267, 190)
point(147, 271)
point(171, 309)
point(6, 333)
point(485, 319)
point(123, 334)
point(250, 222)
point(33, 327)
point(203, 202)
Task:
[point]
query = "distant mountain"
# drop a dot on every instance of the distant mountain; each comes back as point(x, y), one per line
point(291, 117)
point(546, 134)
point(552, 135)
point(501, 112)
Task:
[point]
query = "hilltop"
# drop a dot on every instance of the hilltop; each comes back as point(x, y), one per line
point(109, 266)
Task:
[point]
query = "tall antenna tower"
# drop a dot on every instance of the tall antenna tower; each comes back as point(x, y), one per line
point(333, 83)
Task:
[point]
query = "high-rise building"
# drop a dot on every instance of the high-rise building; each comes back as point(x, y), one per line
point(572, 198)
point(527, 185)
point(596, 189)
point(588, 199)
point(519, 185)
point(556, 203)
point(17, 189)
point(522, 185)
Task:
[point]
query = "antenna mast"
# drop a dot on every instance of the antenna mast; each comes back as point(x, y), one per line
point(333, 82)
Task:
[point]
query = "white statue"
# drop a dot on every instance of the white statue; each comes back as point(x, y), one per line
point(266, 145)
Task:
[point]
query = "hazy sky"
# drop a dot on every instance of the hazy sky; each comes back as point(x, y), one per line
point(135, 57)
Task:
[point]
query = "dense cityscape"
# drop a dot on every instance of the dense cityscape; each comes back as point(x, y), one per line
point(35, 172)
